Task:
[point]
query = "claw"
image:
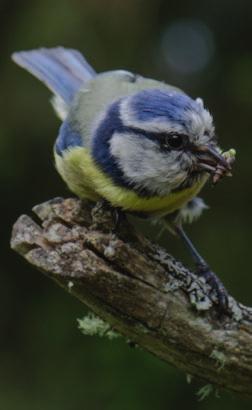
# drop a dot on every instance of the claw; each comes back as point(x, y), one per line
point(217, 286)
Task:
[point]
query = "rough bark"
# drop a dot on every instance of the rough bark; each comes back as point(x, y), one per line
point(142, 291)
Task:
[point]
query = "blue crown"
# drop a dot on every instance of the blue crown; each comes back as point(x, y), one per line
point(153, 104)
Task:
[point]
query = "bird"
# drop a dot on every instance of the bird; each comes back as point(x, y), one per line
point(140, 145)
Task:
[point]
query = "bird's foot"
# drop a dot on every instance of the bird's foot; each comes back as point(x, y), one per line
point(119, 217)
point(117, 214)
point(217, 286)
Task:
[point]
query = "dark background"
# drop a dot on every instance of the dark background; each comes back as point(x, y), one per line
point(205, 47)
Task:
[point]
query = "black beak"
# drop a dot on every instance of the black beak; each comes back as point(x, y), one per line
point(211, 161)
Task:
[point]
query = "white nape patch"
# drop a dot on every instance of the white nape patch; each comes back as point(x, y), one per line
point(60, 107)
point(160, 124)
point(144, 165)
point(192, 210)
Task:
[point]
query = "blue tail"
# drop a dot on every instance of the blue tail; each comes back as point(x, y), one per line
point(62, 70)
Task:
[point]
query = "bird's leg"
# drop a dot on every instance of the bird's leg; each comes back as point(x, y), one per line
point(203, 269)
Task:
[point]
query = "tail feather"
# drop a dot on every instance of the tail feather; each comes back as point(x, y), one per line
point(62, 70)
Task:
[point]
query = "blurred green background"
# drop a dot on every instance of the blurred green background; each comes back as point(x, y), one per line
point(205, 47)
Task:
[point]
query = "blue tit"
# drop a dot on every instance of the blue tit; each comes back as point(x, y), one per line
point(140, 144)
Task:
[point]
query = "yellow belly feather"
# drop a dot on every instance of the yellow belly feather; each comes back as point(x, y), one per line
point(86, 180)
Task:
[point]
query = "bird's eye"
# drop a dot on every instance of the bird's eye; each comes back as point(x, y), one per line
point(175, 141)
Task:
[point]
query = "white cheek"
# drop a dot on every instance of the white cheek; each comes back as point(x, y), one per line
point(136, 155)
point(144, 165)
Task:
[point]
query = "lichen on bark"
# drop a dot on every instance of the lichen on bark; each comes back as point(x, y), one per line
point(140, 290)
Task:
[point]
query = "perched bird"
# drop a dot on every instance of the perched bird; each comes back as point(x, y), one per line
point(142, 145)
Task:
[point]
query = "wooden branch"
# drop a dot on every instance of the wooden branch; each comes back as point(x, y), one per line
point(143, 292)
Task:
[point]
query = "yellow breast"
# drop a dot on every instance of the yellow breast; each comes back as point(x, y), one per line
point(86, 180)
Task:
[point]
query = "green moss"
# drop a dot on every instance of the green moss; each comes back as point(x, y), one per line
point(220, 358)
point(205, 391)
point(92, 325)
point(189, 378)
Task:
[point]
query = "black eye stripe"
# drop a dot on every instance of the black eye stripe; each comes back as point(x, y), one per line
point(161, 137)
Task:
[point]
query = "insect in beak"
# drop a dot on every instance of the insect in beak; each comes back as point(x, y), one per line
point(215, 163)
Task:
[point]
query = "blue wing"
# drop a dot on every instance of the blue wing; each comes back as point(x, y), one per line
point(62, 70)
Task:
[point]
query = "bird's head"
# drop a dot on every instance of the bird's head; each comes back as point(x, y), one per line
point(157, 141)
